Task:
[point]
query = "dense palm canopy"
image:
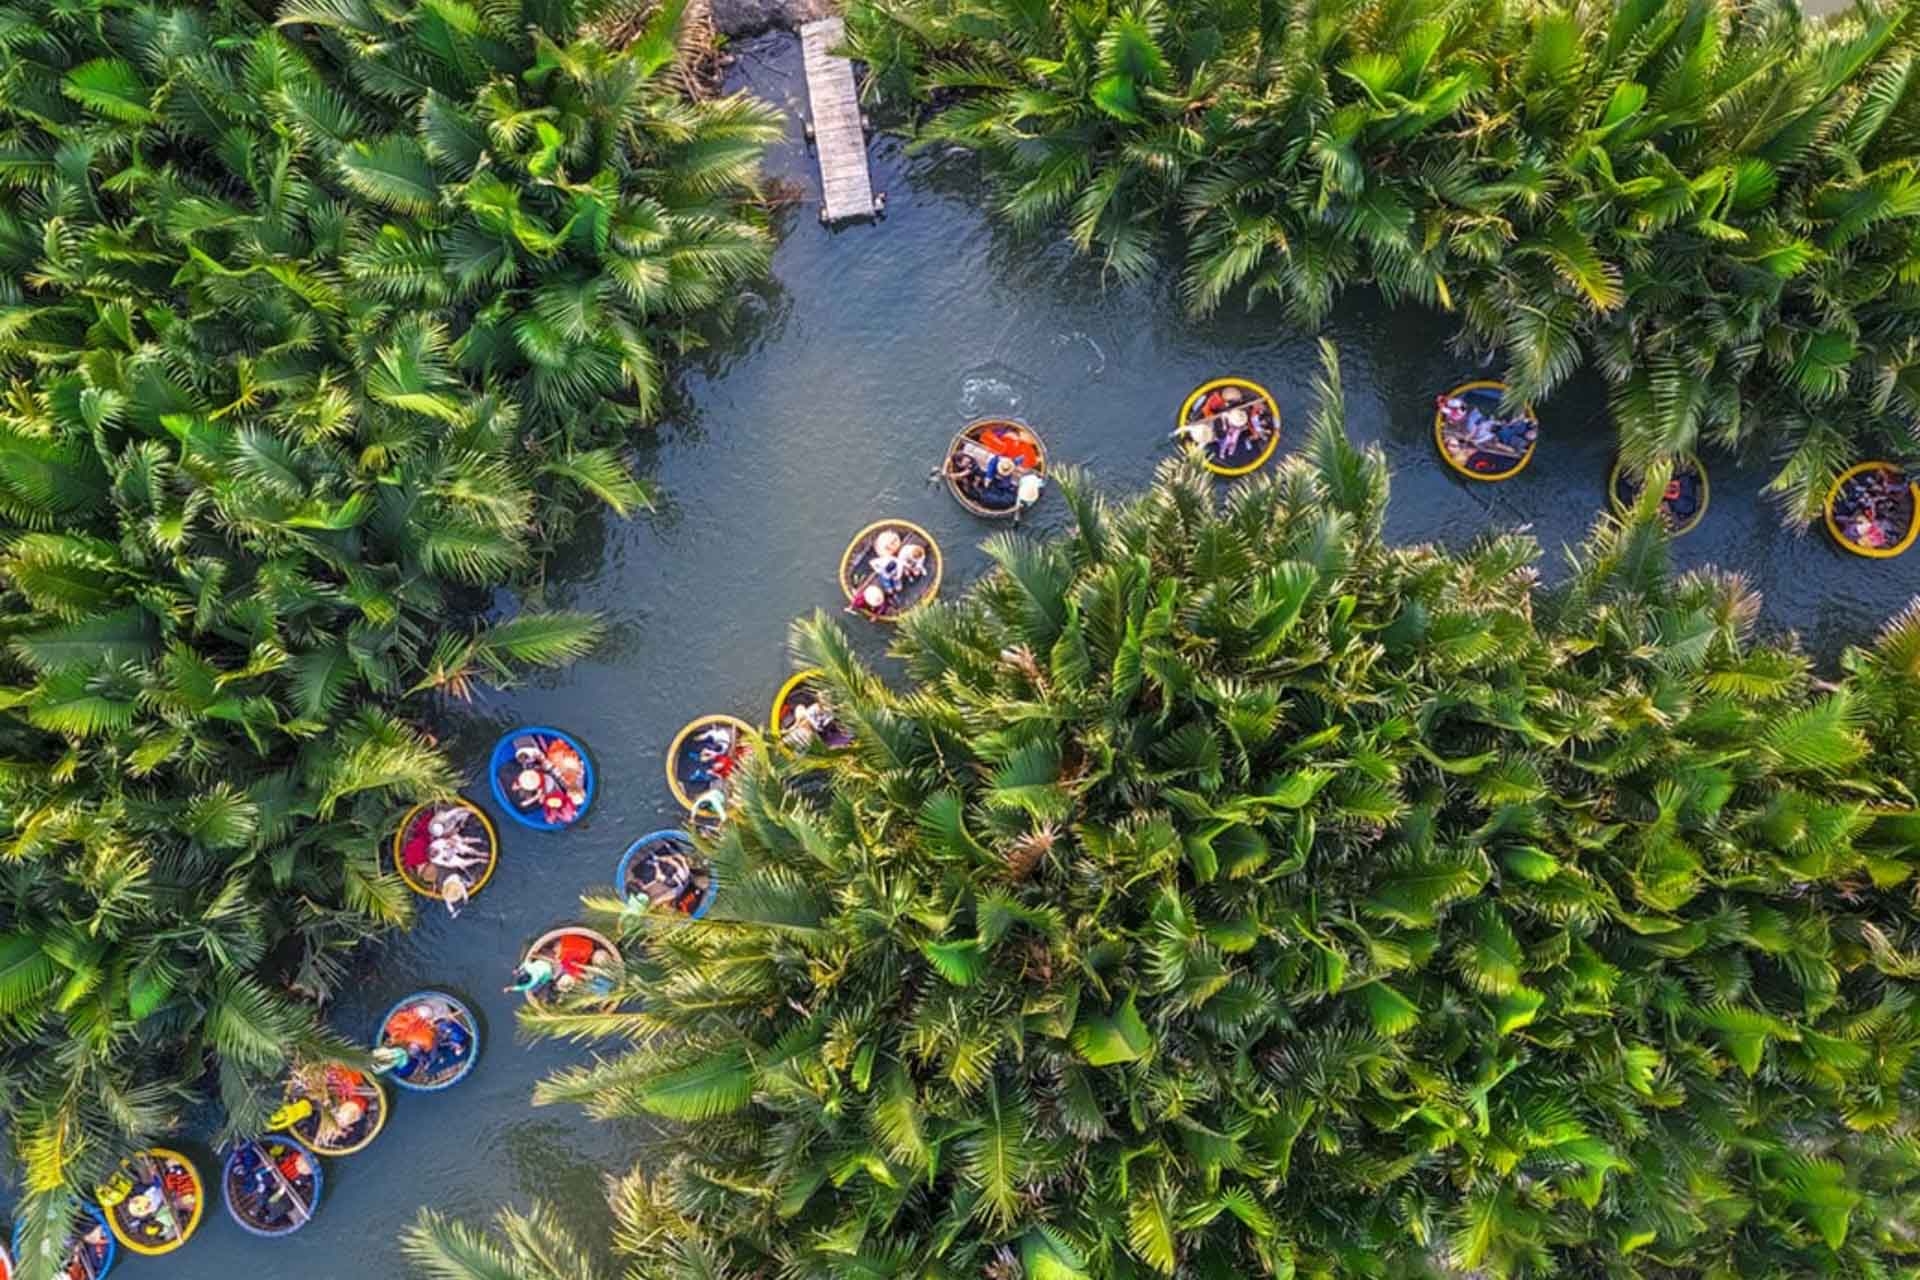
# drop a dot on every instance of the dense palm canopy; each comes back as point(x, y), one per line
point(1232, 893)
point(308, 340)
point(1711, 202)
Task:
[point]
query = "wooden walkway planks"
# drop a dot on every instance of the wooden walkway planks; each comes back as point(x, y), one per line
point(845, 189)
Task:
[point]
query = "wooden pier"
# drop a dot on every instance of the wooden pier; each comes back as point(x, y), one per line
point(845, 189)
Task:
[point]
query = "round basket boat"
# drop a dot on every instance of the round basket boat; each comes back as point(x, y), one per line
point(571, 773)
point(91, 1248)
point(315, 1095)
point(154, 1201)
point(271, 1185)
point(985, 462)
point(1491, 460)
point(455, 1040)
point(1230, 407)
point(636, 886)
point(856, 570)
point(1874, 501)
point(413, 839)
point(687, 774)
point(1687, 493)
point(570, 950)
point(801, 689)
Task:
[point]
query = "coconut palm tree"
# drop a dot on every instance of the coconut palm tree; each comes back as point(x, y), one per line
point(1234, 893)
point(569, 213)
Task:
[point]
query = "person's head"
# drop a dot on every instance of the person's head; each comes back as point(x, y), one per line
point(602, 957)
point(349, 1113)
point(914, 554)
point(873, 597)
point(888, 543)
point(528, 781)
point(144, 1204)
point(528, 754)
point(1237, 418)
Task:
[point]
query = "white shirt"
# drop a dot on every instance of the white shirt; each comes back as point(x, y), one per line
point(1030, 486)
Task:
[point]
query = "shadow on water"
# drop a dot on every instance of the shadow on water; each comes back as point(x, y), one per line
point(824, 410)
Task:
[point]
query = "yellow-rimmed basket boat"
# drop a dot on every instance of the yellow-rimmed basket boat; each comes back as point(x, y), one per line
point(684, 765)
point(1682, 510)
point(780, 721)
point(154, 1201)
point(413, 839)
point(315, 1094)
point(1255, 442)
point(856, 573)
point(1479, 462)
point(1904, 502)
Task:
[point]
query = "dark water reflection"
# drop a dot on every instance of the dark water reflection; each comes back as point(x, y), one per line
point(824, 410)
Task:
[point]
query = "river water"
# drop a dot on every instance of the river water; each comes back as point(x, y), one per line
point(822, 412)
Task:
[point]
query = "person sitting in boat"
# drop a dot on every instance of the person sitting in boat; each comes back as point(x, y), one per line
point(885, 561)
point(871, 601)
point(711, 805)
point(715, 766)
point(1219, 400)
point(1682, 497)
point(261, 1191)
point(964, 472)
point(665, 880)
point(88, 1255)
point(1031, 486)
point(1011, 443)
point(1236, 427)
point(532, 977)
point(810, 720)
point(913, 562)
point(148, 1218)
point(1198, 434)
point(1002, 480)
point(1867, 531)
point(1515, 434)
point(454, 892)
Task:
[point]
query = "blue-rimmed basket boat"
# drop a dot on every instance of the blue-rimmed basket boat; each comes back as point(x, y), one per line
point(443, 1007)
point(698, 896)
point(280, 1203)
point(502, 761)
point(683, 757)
point(1252, 449)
